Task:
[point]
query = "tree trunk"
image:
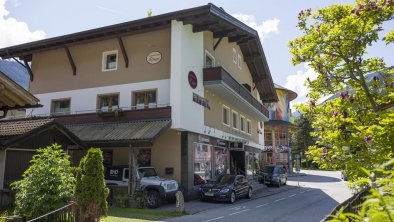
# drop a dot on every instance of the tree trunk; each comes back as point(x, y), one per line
point(367, 93)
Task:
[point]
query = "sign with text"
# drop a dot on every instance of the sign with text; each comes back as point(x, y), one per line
point(200, 100)
point(236, 146)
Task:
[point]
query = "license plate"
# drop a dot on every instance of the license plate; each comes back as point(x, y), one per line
point(209, 194)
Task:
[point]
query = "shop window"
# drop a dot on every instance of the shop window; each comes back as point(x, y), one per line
point(242, 123)
point(252, 163)
point(268, 158)
point(235, 120)
point(248, 127)
point(61, 106)
point(203, 160)
point(107, 103)
point(226, 115)
point(146, 99)
point(209, 60)
point(110, 60)
point(221, 165)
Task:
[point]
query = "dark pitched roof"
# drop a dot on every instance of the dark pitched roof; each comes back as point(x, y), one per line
point(204, 18)
point(21, 126)
point(119, 132)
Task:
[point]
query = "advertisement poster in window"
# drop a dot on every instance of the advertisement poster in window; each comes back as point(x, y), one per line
point(144, 157)
point(203, 160)
point(220, 160)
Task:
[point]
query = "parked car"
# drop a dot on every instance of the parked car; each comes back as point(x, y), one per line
point(227, 187)
point(157, 188)
point(273, 174)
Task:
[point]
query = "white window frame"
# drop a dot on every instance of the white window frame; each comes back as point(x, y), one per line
point(239, 60)
point(235, 58)
point(104, 61)
point(249, 129)
point(228, 115)
point(210, 56)
point(232, 119)
point(242, 125)
point(53, 108)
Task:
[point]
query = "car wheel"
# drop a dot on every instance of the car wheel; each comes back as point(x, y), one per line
point(249, 195)
point(232, 197)
point(278, 185)
point(202, 198)
point(285, 183)
point(153, 199)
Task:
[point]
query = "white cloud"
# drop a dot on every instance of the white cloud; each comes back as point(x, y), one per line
point(15, 32)
point(265, 28)
point(297, 81)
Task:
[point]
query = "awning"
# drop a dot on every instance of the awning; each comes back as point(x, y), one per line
point(112, 134)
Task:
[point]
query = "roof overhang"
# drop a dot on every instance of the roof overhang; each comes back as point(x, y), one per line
point(13, 96)
point(204, 18)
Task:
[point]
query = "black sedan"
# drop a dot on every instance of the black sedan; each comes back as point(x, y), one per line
point(226, 187)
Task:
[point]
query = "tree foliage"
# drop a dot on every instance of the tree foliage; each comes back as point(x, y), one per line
point(47, 184)
point(90, 190)
point(351, 130)
point(302, 138)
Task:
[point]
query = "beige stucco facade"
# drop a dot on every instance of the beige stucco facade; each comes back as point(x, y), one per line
point(164, 153)
point(214, 117)
point(53, 72)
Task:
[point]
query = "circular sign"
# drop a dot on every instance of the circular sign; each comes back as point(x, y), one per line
point(153, 57)
point(192, 79)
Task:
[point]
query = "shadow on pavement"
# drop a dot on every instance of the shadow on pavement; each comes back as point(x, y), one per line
point(314, 179)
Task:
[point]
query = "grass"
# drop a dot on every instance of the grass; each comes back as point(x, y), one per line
point(116, 214)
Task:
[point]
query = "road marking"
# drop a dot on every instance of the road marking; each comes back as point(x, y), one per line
point(308, 190)
point(262, 205)
point(216, 218)
point(235, 208)
point(279, 199)
point(292, 195)
point(302, 192)
point(238, 212)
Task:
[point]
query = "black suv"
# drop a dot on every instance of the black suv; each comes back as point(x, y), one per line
point(273, 174)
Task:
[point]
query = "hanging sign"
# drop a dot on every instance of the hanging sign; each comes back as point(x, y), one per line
point(201, 100)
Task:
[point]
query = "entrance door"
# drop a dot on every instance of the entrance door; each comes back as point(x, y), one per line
point(237, 161)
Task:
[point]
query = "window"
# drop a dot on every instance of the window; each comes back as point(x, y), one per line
point(242, 123)
point(145, 99)
point(281, 138)
point(203, 160)
point(239, 61)
point(209, 60)
point(107, 103)
point(248, 127)
point(268, 137)
point(226, 115)
point(61, 107)
point(110, 61)
point(235, 120)
point(235, 58)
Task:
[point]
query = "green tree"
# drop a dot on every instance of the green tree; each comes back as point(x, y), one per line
point(302, 138)
point(351, 130)
point(47, 184)
point(90, 190)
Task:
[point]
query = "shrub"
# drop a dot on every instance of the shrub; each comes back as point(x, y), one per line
point(90, 189)
point(47, 184)
point(121, 200)
point(141, 199)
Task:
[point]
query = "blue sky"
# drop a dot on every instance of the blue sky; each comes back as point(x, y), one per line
point(27, 20)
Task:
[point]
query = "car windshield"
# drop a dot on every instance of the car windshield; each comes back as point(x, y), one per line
point(225, 179)
point(269, 169)
point(147, 172)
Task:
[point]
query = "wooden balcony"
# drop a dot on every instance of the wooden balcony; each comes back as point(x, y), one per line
point(218, 80)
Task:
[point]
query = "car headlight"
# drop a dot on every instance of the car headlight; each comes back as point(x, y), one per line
point(224, 190)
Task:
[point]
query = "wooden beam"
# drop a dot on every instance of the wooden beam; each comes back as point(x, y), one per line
point(204, 26)
point(245, 40)
point(27, 66)
point(16, 60)
point(217, 43)
point(71, 61)
point(236, 38)
point(223, 33)
point(124, 53)
point(251, 58)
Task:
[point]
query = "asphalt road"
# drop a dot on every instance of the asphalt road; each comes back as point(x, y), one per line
point(317, 194)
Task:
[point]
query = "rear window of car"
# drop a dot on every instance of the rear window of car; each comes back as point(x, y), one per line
point(268, 169)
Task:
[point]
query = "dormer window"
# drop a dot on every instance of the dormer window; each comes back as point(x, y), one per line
point(110, 60)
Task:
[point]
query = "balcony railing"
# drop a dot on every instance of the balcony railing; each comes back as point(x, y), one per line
point(216, 74)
